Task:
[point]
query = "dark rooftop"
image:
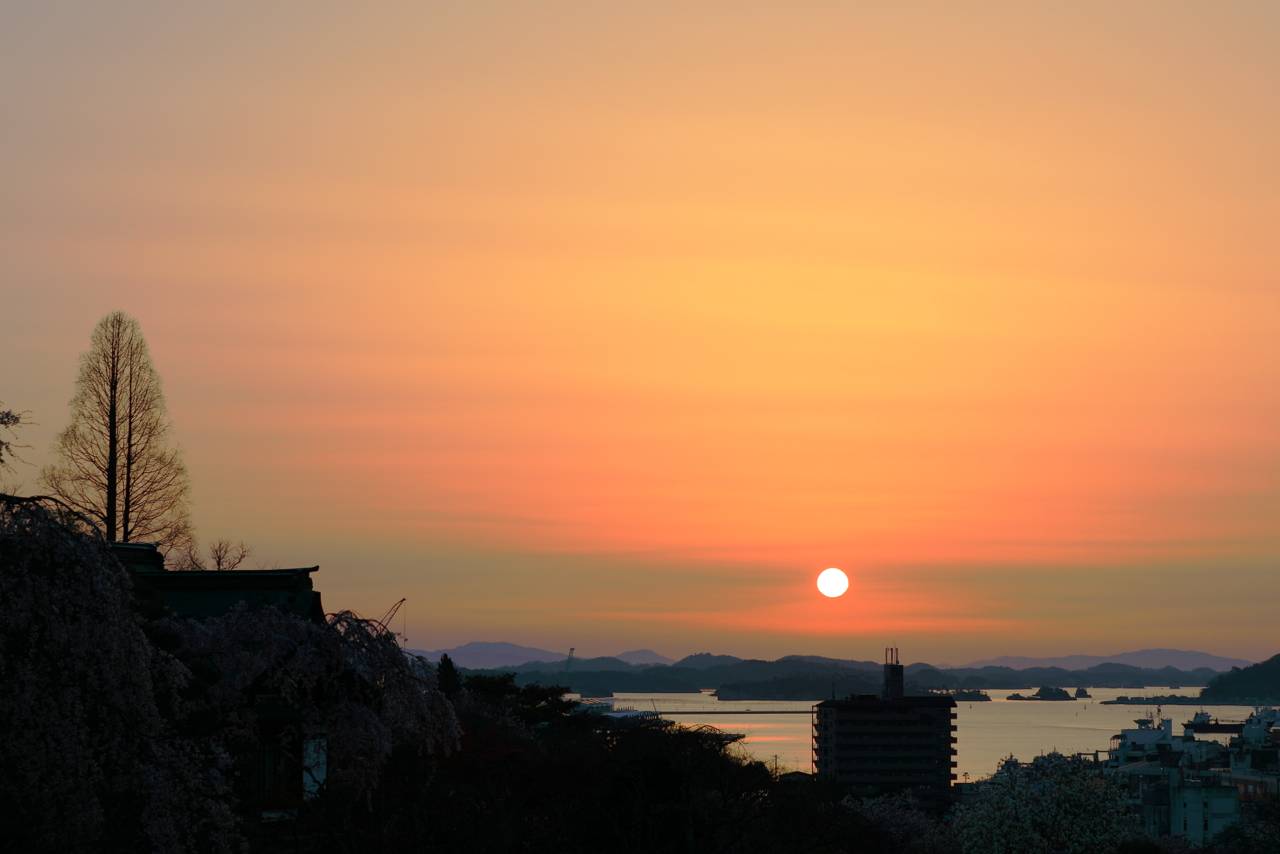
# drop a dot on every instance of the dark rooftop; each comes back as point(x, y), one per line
point(201, 594)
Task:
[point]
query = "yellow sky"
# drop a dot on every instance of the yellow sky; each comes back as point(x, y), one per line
point(610, 325)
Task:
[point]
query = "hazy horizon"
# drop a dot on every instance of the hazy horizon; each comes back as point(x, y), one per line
point(610, 327)
point(681, 654)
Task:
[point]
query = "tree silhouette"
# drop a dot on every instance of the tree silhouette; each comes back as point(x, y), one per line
point(129, 732)
point(115, 462)
point(9, 421)
point(447, 678)
point(224, 555)
point(90, 763)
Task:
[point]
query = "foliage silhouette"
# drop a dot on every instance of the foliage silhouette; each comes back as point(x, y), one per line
point(8, 421)
point(447, 677)
point(90, 760)
point(1257, 683)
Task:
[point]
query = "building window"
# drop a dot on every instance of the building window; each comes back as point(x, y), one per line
point(315, 766)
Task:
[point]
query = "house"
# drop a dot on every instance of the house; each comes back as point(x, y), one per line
point(290, 763)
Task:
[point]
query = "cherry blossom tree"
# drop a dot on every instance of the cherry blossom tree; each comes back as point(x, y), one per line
point(1051, 805)
point(90, 761)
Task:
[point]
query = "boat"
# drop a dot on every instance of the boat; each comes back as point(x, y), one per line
point(1203, 722)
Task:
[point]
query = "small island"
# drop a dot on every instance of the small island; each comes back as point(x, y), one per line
point(1046, 692)
point(1082, 693)
point(971, 695)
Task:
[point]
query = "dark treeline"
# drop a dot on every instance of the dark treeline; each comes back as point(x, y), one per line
point(127, 729)
point(1258, 683)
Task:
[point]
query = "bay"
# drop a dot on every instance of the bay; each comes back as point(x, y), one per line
point(987, 731)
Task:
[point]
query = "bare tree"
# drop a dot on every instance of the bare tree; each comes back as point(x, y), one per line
point(223, 555)
point(116, 464)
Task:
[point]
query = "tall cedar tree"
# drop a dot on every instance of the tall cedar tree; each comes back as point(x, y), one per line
point(115, 461)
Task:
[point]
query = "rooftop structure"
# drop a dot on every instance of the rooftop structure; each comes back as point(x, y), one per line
point(1179, 785)
point(888, 742)
point(203, 594)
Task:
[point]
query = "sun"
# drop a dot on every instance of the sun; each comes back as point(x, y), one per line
point(832, 582)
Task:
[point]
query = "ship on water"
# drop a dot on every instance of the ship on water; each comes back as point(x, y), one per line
point(1203, 722)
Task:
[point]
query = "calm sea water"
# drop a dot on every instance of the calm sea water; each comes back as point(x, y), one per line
point(987, 732)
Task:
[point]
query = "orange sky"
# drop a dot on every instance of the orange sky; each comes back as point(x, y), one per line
point(611, 327)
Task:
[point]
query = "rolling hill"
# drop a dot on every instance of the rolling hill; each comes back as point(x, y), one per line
point(1148, 658)
point(1258, 683)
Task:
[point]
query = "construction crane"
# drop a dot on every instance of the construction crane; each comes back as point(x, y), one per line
point(385, 619)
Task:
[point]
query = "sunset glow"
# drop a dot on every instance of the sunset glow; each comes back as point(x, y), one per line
point(603, 329)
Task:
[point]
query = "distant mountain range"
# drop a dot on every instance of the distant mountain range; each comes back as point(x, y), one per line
point(643, 656)
point(805, 677)
point(1150, 658)
point(486, 654)
point(704, 660)
point(490, 654)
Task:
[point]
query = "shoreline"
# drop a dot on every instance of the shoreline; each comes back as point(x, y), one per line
point(1176, 700)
